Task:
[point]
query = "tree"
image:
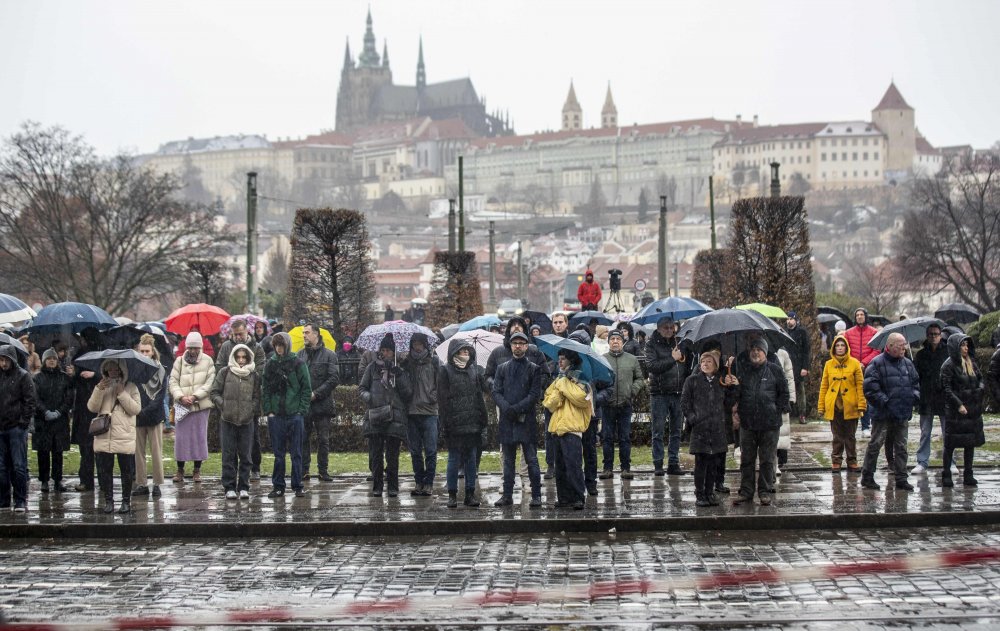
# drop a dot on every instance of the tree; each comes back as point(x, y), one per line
point(351, 195)
point(533, 196)
point(553, 195)
point(102, 231)
point(876, 285)
point(193, 189)
point(504, 192)
point(209, 280)
point(455, 294)
point(798, 185)
point(951, 237)
point(710, 282)
point(331, 274)
point(596, 201)
point(643, 206)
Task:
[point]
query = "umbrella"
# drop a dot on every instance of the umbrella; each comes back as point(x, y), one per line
point(124, 320)
point(584, 317)
point(6, 340)
point(298, 343)
point(63, 320)
point(674, 306)
point(764, 310)
point(539, 318)
point(593, 368)
point(249, 318)
point(956, 312)
point(480, 322)
point(835, 311)
point(714, 325)
point(128, 335)
point(13, 309)
point(826, 318)
point(208, 319)
point(401, 331)
point(913, 329)
point(483, 341)
point(449, 330)
point(881, 320)
point(140, 368)
point(418, 301)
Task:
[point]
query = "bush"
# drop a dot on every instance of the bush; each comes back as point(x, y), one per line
point(982, 329)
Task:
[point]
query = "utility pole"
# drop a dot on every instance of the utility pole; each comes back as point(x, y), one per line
point(677, 277)
point(451, 226)
point(520, 276)
point(663, 250)
point(711, 208)
point(775, 182)
point(251, 241)
point(461, 207)
point(493, 266)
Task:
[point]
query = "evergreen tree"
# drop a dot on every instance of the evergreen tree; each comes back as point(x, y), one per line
point(643, 206)
point(455, 294)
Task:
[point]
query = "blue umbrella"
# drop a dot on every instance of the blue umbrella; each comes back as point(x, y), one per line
point(584, 317)
point(140, 368)
point(674, 306)
point(14, 309)
point(594, 367)
point(71, 317)
point(480, 322)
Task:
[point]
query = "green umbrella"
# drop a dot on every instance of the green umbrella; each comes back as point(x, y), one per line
point(765, 310)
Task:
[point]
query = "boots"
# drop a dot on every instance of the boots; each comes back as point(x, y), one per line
point(658, 468)
point(452, 499)
point(109, 505)
point(702, 500)
point(470, 498)
point(125, 508)
point(946, 479)
point(393, 486)
point(967, 478)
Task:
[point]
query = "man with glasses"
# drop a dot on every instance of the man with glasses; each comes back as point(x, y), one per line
point(928, 361)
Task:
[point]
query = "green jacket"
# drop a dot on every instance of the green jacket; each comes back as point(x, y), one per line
point(286, 388)
point(628, 379)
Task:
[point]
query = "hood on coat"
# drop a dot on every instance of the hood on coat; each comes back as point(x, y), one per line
point(232, 357)
point(588, 275)
point(421, 337)
point(840, 336)
point(955, 348)
point(581, 336)
point(854, 313)
point(458, 344)
point(10, 353)
point(286, 339)
point(121, 366)
point(510, 323)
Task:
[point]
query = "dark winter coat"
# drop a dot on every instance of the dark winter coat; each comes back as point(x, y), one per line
point(502, 354)
point(375, 394)
point(324, 376)
point(17, 393)
point(517, 390)
point(892, 387)
point(54, 390)
point(666, 375)
point(962, 430)
point(632, 348)
point(152, 412)
point(423, 377)
point(762, 396)
point(286, 387)
point(82, 389)
point(993, 376)
point(799, 351)
point(461, 406)
point(928, 362)
point(703, 404)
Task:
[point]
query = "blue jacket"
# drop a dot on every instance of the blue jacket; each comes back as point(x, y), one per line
point(517, 389)
point(892, 388)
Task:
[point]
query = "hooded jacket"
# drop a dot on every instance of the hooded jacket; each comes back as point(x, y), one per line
point(376, 394)
point(324, 377)
point(256, 350)
point(17, 393)
point(123, 408)
point(960, 388)
point(423, 374)
point(628, 382)
point(589, 292)
point(928, 362)
point(187, 380)
point(571, 404)
point(517, 389)
point(666, 375)
point(844, 378)
point(236, 395)
point(503, 353)
point(54, 391)
point(858, 337)
point(285, 387)
point(460, 403)
point(892, 386)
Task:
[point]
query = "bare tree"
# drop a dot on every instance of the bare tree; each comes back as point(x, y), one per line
point(951, 237)
point(798, 185)
point(209, 280)
point(877, 285)
point(102, 231)
point(504, 192)
point(534, 196)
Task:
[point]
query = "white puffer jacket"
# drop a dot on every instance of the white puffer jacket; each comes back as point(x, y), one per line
point(187, 380)
point(785, 433)
point(124, 407)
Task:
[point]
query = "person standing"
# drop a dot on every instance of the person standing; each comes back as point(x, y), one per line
point(34, 362)
point(117, 396)
point(462, 416)
point(517, 389)
point(190, 385)
point(589, 293)
point(842, 402)
point(236, 395)
point(385, 388)
point(928, 361)
point(993, 376)
point(785, 432)
point(421, 365)
point(54, 392)
point(149, 423)
point(668, 368)
point(560, 324)
point(285, 393)
point(962, 385)
point(704, 401)
point(17, 407)
point(84, 382)
point(892, 387)
point(571, 402)
point(858, 337)
point(616, 413)
point(800, 354)
point(239, 334)
point(324, 375)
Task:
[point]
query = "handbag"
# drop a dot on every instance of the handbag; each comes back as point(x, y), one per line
point(380, 416)
point(100, 424)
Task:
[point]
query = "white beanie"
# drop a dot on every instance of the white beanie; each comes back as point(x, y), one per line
point(193, 340)
point(840, 326)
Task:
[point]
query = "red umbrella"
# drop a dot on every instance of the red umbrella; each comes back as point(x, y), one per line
point(208, 318)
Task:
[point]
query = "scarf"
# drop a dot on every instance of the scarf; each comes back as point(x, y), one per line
point(155, 384)
point(241, 371)
point(459, 362)
point(420, 355)
point(384, 367)
point(618, 354)
point(191, 362)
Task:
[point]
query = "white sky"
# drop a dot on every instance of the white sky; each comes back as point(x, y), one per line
point(134, 74)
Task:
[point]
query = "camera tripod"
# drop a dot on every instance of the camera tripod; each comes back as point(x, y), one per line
point(615, 302)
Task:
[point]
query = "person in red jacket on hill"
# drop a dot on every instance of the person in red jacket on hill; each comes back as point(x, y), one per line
point(589, 293)
point(858, 337)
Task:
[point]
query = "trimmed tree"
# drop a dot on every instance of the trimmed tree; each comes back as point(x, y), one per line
point(455, 294)
point(710, 279)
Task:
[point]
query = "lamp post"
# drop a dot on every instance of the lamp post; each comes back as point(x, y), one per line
point(775, 182)
point(663, 249)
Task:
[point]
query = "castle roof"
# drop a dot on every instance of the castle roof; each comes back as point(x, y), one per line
point(216, 143)
point(892, 100)
point(651, 129)
point(411, 100)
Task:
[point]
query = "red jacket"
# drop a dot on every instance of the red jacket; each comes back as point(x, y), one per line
point(857, 339)
point(589, 292)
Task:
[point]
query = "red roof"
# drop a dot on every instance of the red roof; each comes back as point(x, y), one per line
point(892, 100)
point(747, 134)
point(925, 147)
point(331, 138)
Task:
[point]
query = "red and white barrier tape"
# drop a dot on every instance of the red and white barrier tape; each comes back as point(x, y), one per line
point(589, 592)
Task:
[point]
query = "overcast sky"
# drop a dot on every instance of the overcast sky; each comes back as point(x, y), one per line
point(132, 75)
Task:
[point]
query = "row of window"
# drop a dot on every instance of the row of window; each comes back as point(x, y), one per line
point(844, 174)
point(843, 156)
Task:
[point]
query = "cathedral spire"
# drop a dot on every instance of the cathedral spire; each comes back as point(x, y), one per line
point(369, 56)
point(572, 113)
point(609, 113)
point(348, 62)
point(421, 72)
point(385, 54)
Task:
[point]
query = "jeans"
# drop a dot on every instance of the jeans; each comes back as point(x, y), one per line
point(422, 436)
point(255, 447)
point(617, 427)
point(926, 427)
point(286, 437)
point(235, 442)
point(383, 456)
point(757, 445)
point(509, 453)
point(462, 455)
point(166, 412)
point(14, 466)
point(321, 424)
point(882, 432)
point(50, 461)
point(569, 469)
point(664, 405)
point(106, 474)
point(866, 420)
point(590, 439)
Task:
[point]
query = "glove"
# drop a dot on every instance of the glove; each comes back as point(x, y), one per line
point(51, 415)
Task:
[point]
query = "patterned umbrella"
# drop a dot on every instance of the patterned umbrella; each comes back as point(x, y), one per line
point(401, 331)
point(483, 341)
point(249, 318)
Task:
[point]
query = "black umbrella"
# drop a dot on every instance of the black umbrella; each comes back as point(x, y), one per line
point(716, 325)
point(140, 368)
point(913, 329)
point(957, 313)
point(826, 318)
point(837, 312)
point(880, 320)
point(128, 335)
point(542, 320)
point(22, 352)
point(584, 317)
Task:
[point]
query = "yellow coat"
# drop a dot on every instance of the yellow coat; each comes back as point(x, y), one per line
point(570, 404)
point(844, 377)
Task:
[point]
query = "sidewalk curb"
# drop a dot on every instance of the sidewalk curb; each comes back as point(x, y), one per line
point(454, 527)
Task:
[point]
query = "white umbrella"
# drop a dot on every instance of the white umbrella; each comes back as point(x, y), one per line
point(483, 341)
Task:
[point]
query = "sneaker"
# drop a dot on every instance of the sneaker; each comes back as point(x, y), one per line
point(904, 486)
point(866, 433)
point(777, 471)
point(505, 500)
point(417, 491)
point(627, 474)
point(302, 493)
point(255, 475)
point(918, 469)
point(702, 502)
point(278, 493)
point(156, 491)
point(244, 494)
point(536, 501)
point(59, 488)
point(605, 475)
point(140, 491)
point(20, 507)
point(83, 488)
point(231, 494)
point(765, 499)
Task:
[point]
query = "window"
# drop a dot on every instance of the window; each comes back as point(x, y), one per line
point(854, 156)
point(866, 173)
point(876, 157)
point(833, 156)
point(864, 141)
point(822, 157)
point(865, 155)
point(822, 143)
point(843, 156)
point(876, 173)
point(854, 142)
point(808, 159)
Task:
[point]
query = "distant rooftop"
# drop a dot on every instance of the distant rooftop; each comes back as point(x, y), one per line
point(216, 143)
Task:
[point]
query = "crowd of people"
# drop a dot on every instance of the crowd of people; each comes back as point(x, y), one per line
point(253, 379)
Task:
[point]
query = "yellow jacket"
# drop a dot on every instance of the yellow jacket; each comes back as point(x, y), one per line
point(570, 404)
point(846, 378)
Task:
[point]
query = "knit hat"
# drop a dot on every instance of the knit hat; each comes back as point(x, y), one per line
point(193, 340)
point(518, 336)
point(616, 333)
point(50, 353)
point(387, 342)
point(760, 343)
point(840, 326)
point(715, 355)
point(793, 315)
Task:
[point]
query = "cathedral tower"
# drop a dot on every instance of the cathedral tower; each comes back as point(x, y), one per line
point(572, 113)
point(609, 113)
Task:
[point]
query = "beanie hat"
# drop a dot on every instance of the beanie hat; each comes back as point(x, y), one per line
point(50, 353)
point(715, 355)
point(616, 333)
point(193, 340)
point(388, 342)
point(840, 326)
point(793, 315)
point(760, 343)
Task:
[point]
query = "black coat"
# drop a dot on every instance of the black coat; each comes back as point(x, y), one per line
point(82, 389)
point(17, 394)
point(152, 412)
point(960, 388)
point(517, 390)
point(993, 376)
point(666, 375)
point(324, 375)
point(928, 362)
point(375, 394)
point(799, 351)
point(763, 397)
point(54, 390)
point(704, 404)
point(461, 406)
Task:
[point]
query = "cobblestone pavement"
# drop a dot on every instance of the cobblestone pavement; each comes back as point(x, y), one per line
point(92, 580)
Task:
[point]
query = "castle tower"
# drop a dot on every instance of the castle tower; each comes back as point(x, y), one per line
point(361, 81)
point(421, 72)
point(897, 121)
point(609, 113)
point(369, 56)
point(572, 113)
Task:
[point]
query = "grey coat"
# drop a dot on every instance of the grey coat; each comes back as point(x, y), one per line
point(236, 398)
